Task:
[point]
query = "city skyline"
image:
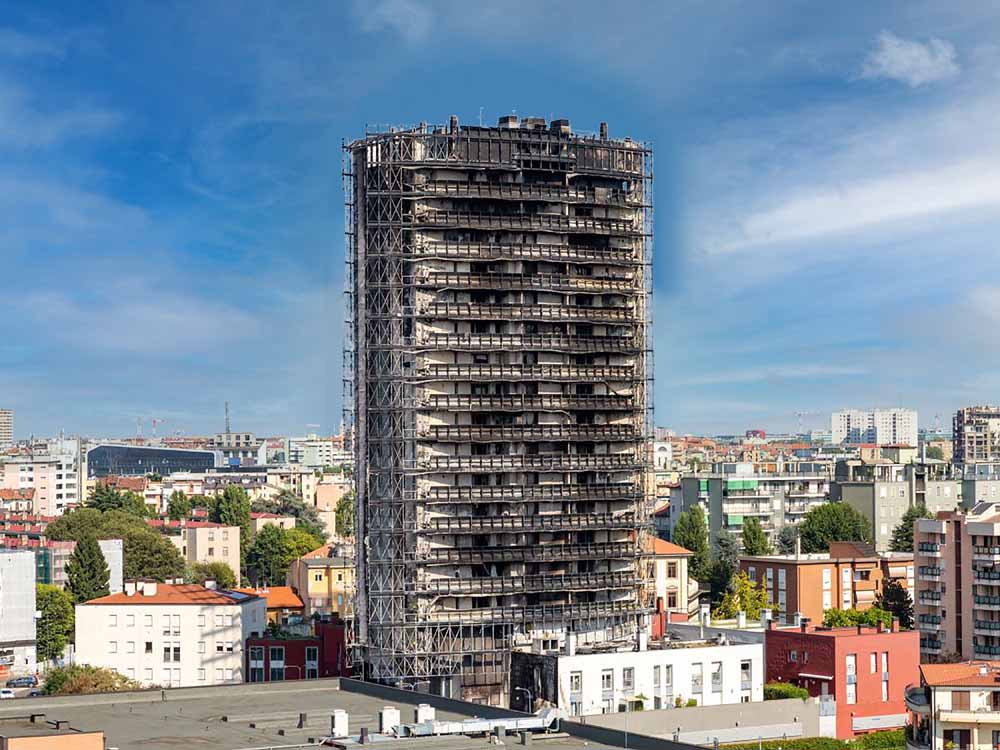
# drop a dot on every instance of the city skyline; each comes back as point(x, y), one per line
point(826, 188)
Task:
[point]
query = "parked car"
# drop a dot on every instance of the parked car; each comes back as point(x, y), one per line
point(29, 681)
point(35, 693)
point(6, 693)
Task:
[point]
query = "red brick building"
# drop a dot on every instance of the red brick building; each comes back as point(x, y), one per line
point(864, 669)
point(279, 659)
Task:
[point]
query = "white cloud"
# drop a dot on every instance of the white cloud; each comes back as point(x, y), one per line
point(776, 372)
point(911, 62)
point(408, 18)
point(23, 124)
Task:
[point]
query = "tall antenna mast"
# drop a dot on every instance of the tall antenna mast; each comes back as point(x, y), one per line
point(229, 426)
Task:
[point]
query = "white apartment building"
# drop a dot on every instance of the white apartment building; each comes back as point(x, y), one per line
point(663, 455)
point(6, 427)
point(601, 681)
point(17, 613)
point(171, 635)
point(878, 426)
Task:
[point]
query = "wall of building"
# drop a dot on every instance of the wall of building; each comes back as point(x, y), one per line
point(17, 613)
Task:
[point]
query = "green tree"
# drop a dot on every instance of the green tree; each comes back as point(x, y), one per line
point(219, 572)
point(54, 628)
point(268, 557)
point(894, 598)
point(902, 535)
point(786, 539)
point(833, 522)
point(300, 542)
point(935, 452)
point(724, 566)
point(232, 508)
point(755, 540)
point(345, 514)
point(691, 532)
point(287, 503)
point(149, 554)
point(744, 597)
point(83, 679)
point(841, 618)
point(179, 507)
point(104, 498)
point(87, 574)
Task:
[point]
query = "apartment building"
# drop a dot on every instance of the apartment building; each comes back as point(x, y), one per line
point(623, 677)
point(324, 580)
point(284, 607)
point(171, 635)
point(204, 541)
point(957, 601)
point(6, 427)
point(850, 576)
point(883, 490)
point(980, 483)
point(877, 426)
point(865, 670)
point(52, 556)
point(976, 435)
point(17, 613)
point(259, 520)
point(744, 490)
point(955, 707)
point(669, 593)
point(239, 448)
point(53, 477)
point(21, 500)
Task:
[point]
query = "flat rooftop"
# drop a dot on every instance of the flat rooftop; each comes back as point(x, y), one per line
point(237, 717)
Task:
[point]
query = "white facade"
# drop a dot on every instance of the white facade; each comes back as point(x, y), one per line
point(712, 675)
point(113, 551)
point(663, 455)
point(878, 426)
point(17, 612)
point(54, 476)
point(170, 635)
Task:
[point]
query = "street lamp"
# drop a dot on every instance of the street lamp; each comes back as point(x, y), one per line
point(531, 705)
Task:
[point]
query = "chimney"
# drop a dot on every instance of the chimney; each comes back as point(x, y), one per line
point(130, 588)
point(798, 547)
point(741, 619)
point(894, 625)
point(604, 131)
point(765, 618)
point(210, 583)
point(453, 125)
point(804, 624)
point(149, 588)
point(571, 643)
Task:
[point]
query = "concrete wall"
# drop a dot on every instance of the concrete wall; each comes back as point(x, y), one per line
point(738, 722)
point(17, 613)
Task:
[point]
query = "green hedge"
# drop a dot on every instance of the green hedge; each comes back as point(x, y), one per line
point(892, 739)
point(776, 691)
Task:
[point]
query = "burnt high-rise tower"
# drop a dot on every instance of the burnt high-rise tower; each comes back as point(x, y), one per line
point(498, 376)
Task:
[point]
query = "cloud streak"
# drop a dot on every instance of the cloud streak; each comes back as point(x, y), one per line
point(911, 62)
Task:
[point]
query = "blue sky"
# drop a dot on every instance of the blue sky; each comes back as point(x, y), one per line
point(827, 195)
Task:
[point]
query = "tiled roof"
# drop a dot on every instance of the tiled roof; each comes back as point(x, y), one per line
point(177, 594)
point(660, 547)
point(18, 494)
point(278, 597)
point(968, 673)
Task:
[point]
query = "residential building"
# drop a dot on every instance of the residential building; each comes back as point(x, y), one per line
point(955, 706)
point(35, 732)
point(883, 490)
point(284, 607)
point(171, 635)
point(259, 520)
point(957, 602)
point(976, 435)
point(277, 659)
point(736, 491)
point(324, 580)
point(864, 669)
point(663, 455)
point(599, 680)
point(239, 448)
point(6, 427)
point(669, 593)
point(878, 426)
point(139, 460)
point(19, 500)
point(980, 483)
point(204, 542)
point(850, 576)
point(17, 613)
point(313, 451)
point(53, 476)
point(501, 428)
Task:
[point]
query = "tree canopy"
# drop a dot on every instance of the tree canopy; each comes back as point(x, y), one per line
point(104, 498)
point(273, 551)
point(222, 574)
point(935, 452)
point(786, 539)
point(287, 503)
point(723, 567)
point(833, 522)
point(895, 599)
point(902, 535)
point(345, 514)
point(87, 574)
point(83, 679)
point(54, 628)
point(744, 597)
point(691, 532)
point(755, 541)
point(179, 506)
point(839, 618)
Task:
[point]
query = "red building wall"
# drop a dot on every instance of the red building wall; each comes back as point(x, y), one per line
point(821, 657)
point(331, 640)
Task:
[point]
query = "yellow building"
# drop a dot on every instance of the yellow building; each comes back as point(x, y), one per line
point(324, 580)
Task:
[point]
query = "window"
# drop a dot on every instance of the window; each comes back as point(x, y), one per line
point(112, 621)
point(166, 652)
point(668, 677)
point(229, 675)
point(130, 673)
point(885, 690)
point(201, 621)
point(697, 679)
point(229, 647)
point(656, 678)
point(752, 574)
point(166, 624)
point(793, 656)
point(885, 665)
point(317, 577)
point(960, 700)
point(852, 693)
point(112, 647)
point(177, 651)
point(717, 677)
point(872, 662)
point(149, 623)
point(147, 674)
point(130, 621)
point(219, 675)
point(218, 621)
point(130, 647)
point(671, 570)
point(671, 600)
point(177, 624)
point(746, 674)
point(225, 551)
point(607, 680)
point(149, 648)
point(229, 621)
point(219, 647)
point(201, 675)
point(628, 678)
point(201, 647)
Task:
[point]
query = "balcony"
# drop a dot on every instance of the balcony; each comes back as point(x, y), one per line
point(987, 577)
point(432, 219)
point(931, 645)
point(543, 281)
point(550, 373)
point(918, 699)
point(424, 248)
point(990, 603)
point(920, 741)
point(929, 598)
point(529, 342)
point(929, 549)
point(986, 554)
point(531, 433)
point(558, 313)
point(524, 402)
point(986, 627)
point(543, 462)
point(984, 715)
point(929, 573)
point(526, 584)
point(929, 623)
point(987, 651)
point(540, 613)
point(517, 191)
point(533, 553)
point(624, 492)
point(534, 523)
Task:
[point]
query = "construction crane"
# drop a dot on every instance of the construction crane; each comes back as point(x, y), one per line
point(156, 421)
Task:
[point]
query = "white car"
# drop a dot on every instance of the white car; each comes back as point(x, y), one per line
point(6, 693)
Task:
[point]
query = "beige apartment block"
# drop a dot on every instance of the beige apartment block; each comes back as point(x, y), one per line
point(206, 542)
point(6, 427)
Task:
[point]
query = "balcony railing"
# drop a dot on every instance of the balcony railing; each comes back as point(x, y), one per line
point(530, 433)
point(918, 699)
point(526, 222)
point(514, 524)
point(553, 373)
point(526, 584)
point(470, 280)
point(480, 251)
point(986, 602)
point(529, 342)
point(539, 462)
point(625, 492)
point(986, 553)
point(518, 191)
point(523, 402)
point(557, 313)
point(533, 553)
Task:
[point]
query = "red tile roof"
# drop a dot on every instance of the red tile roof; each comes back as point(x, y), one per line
point(19, 494)
point(183, 593)
point(660, 547)
point(278, 597)
point(969, 673)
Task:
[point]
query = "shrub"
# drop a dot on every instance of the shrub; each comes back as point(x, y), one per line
point(774, 691)
point(692, 702)
point(82, 679)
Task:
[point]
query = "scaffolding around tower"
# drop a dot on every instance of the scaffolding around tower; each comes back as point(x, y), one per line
point(497, 380)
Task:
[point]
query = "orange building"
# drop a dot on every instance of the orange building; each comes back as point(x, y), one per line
point(31, 734)
point(283, 604)
point(850, 576)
